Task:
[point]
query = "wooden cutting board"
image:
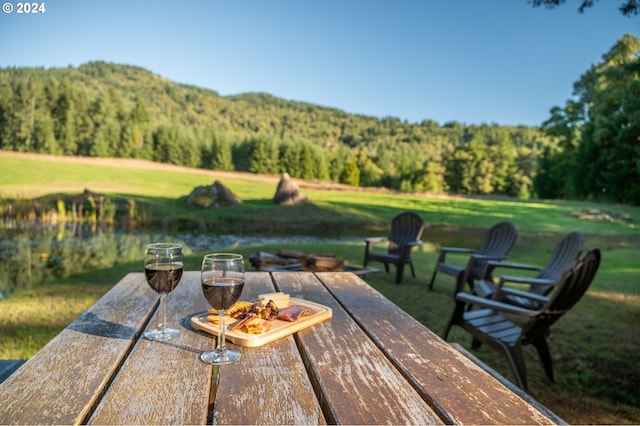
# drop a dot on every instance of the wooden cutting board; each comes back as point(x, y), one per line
point(278, 330)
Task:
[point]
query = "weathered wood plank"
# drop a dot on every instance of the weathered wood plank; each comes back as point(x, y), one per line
point(355, 381)
point(553, 416)
point(452, 383)
point(269, 385)
point(163, 382)
point(61, 382)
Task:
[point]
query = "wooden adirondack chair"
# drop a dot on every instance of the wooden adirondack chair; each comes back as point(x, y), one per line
point(564, 255)
point(496, 244)
point(485, 318)
point(406, 231)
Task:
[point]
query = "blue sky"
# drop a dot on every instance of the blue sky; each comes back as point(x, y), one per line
point(471, 61)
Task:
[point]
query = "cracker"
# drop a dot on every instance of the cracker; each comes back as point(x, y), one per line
point(215, 319)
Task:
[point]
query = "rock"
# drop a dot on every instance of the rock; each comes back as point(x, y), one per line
point(288, 193)
point(213, 196)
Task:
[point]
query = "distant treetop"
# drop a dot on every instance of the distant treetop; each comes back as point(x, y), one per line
point(629, 8)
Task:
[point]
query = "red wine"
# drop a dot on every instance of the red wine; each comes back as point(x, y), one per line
point(163, 277)
point(222, 293)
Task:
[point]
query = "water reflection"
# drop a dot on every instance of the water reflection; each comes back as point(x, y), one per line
point(35, 252)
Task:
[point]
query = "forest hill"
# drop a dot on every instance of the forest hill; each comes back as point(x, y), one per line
point(585, 150)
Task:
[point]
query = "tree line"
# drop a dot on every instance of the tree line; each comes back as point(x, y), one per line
point(596, 154)
point(110, 110)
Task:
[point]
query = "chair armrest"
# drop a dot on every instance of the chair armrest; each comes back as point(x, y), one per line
point(453, 250)
point(371, 241)
point(375, 239)
point(457, 250)
point(407, 247)
point(499, 294)
point(495, 305)
point(502, 291)
point(492, 264)
point(484, 258)
point(488, 257)
point(524, 280)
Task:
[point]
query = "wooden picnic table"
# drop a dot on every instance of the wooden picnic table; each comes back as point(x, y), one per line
point(370, 363)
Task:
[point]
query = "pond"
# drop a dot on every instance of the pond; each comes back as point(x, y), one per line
point(35, 252)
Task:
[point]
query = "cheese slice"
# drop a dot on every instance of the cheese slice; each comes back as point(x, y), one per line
point(280, 299)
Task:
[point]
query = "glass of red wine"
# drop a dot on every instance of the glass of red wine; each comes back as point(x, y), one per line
point(163, 266)
point(222, 278)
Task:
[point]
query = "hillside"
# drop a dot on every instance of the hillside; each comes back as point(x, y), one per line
point(245, 114)
point(111, 110)
point(586, 150)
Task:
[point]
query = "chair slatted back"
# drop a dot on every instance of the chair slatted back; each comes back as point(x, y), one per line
point(497, 242)
point(563, 257)
point(573, 285)
point(405, 227)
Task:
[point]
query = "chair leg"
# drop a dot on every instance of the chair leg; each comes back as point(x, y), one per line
point(518, 366)
point(399, 272)
point(457, 313)
point(433, 278)
point(543, 350)
point(447, 329)
point(413, 272)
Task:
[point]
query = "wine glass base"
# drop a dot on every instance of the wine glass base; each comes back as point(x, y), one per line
point(219, 357)
point(162, 334)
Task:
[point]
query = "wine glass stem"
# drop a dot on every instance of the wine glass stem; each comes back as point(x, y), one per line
point(221, 335)
point(163, 311)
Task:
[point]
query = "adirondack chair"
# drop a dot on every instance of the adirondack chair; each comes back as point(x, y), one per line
point(485, 318)
point(564, 255)
point(406, 231)
point(496, 244)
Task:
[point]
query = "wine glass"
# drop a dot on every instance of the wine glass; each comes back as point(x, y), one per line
point(222, 278)
point(163, 266)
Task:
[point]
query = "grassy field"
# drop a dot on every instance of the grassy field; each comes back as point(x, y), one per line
point(594, 347)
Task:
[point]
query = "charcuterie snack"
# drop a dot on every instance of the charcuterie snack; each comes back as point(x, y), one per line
point(256, 318)
point(258, 323)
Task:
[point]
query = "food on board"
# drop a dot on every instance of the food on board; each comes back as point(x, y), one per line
point(293, 313)
point(215, 319)
point(280, 299)
point(255, 318)
point(238, 306)
point(257, 326)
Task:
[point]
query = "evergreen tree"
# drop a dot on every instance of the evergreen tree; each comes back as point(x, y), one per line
point(503, 157)
point(289, 158)
point(221, 158)
point(260, 159)
point(308, 163)
point(64, 115)
point(350, 174)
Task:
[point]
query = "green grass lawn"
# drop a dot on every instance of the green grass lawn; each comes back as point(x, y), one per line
point(594, 347)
